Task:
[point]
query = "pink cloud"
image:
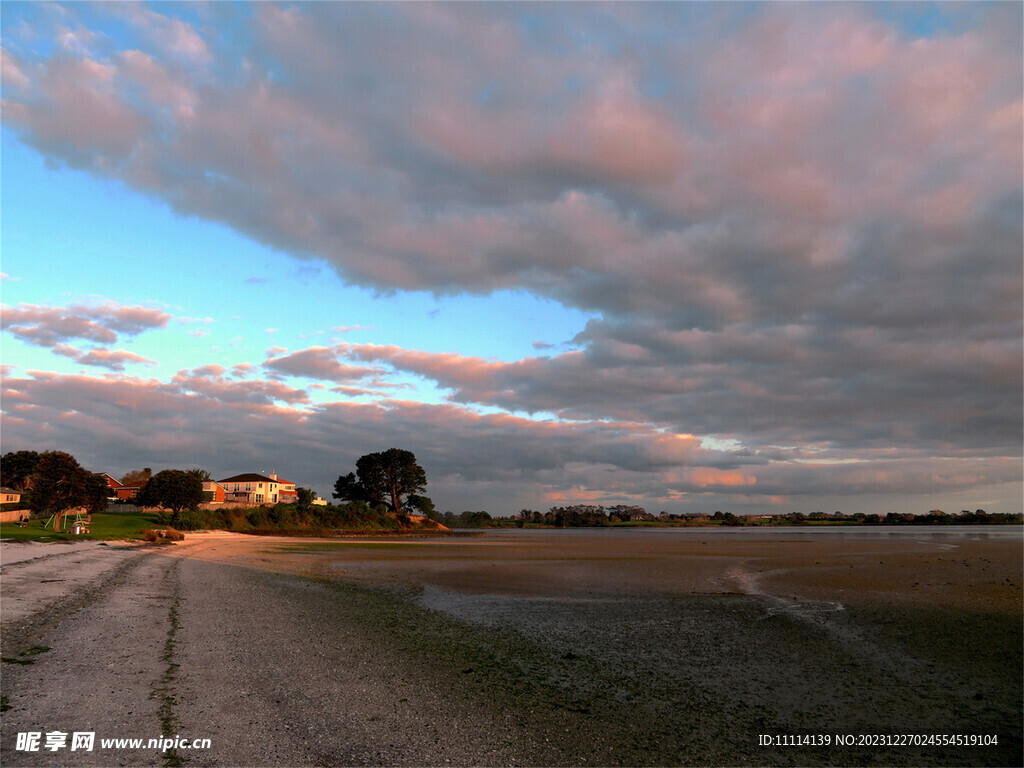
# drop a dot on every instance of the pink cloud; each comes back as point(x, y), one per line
point(115, 360)
point(82, 112)
point(174, 36)
point(11, 68)
point(46, 326)
point(616, 134)
point(206, 381)
point(316, 363)
point(708, 477)
point(162, 88)
point(350, 328)
point(211, 369)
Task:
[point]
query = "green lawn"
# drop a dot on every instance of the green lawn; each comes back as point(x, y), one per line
point(105, 525)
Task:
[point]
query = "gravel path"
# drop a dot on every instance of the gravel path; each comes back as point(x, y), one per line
point(272, 669)
point(275, 670)
point(94, 660)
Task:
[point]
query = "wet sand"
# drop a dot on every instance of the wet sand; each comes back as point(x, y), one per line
point(566, 648)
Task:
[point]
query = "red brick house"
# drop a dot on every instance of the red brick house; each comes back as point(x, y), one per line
point(128, 491)
point(213, 492)
point(112, 484)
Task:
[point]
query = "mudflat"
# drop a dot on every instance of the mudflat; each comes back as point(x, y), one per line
point(589, 647)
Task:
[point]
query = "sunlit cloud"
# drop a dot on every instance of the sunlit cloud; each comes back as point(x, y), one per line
point(48, 327)
point(796, 228)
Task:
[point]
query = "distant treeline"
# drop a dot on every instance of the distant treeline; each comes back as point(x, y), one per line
point(588, 516)
point(362, 516)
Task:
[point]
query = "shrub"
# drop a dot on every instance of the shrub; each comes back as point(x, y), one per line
point(281, 515)
point(257, 518)
point(190, 520)
point(162, 535)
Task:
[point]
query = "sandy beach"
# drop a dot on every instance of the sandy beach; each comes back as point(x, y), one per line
point(518, 648)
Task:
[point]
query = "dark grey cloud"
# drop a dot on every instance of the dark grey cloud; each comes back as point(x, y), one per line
point(497, 461)
point(790, 386)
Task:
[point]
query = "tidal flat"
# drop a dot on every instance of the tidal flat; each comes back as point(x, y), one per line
point(684, 646)
point(552, 647)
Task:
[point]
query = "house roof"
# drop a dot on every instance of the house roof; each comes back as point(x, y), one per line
point(9, 490)
point(249, 477)
point(136, 484)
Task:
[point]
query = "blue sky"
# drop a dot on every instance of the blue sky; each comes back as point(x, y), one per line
point(232, 298)
point(143, 244)
point(751, 257)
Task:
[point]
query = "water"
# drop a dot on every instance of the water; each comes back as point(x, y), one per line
point(778, 533)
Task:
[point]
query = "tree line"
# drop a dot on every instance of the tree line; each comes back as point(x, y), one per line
point(383, 493)
point(591, 516)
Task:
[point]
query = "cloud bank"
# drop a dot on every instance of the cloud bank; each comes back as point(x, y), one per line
point(205, 418)
point(798, 226)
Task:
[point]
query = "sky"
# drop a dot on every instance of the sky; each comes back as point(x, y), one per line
point(759, 258)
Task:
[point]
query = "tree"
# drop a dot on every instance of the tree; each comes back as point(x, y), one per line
point(59, 483)
point(202, 474)
point(137, 476)
point(17, 468)
point(95, 499)
point(304, 499)
point(172, 489)
point(424, 505)
point(348, 488)
point(470, 519)
point(383, 478)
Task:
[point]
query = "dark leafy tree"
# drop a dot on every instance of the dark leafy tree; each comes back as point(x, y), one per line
point(202, 474)
point(59, 483)
point(348, 488)
point(402, 475)
point(370, 470)
point(95, 499)
point(424, 505)
point(173, 489)
point(470, 519)
point(17, 468)
point(383, 478)
point(304, 500)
